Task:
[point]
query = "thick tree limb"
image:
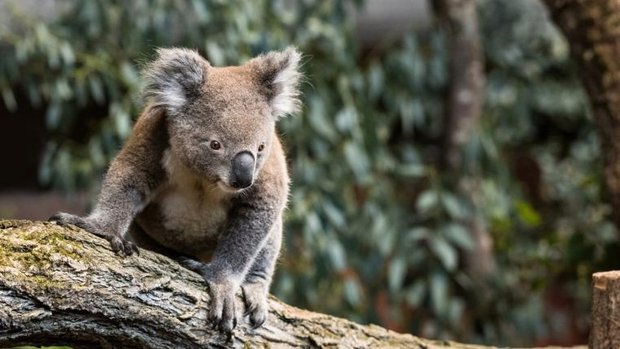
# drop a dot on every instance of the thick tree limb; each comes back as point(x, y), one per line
point(64, 286)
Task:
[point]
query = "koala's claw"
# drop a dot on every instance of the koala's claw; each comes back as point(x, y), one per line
point(190, 264)
point(255, 297)
point(122, 246)
point(222, 314)
point(65, 219)
point(257, 317)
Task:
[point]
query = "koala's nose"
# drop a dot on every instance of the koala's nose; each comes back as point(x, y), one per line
point(242, 170)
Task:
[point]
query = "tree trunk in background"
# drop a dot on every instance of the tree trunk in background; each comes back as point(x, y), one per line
point(466, 95)
point(592, 28)
point(463, 110)
point(64, 286)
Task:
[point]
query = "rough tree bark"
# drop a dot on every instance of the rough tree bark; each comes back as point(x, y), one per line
point(592, 29)
point(64, 286)
point(605, 333)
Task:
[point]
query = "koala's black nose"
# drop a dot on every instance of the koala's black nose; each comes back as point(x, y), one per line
point(242, 170)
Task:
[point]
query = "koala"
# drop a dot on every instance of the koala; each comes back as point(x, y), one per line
point(203, 176)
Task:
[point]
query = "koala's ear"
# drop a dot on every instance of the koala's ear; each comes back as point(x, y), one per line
point(279, 76)
point(176, 76)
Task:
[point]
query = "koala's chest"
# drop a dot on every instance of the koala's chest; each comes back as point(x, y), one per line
point(193, 213)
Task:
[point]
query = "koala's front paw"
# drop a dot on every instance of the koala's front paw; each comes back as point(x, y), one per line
point(255, 297)
point(117, 243)
point(222, 313)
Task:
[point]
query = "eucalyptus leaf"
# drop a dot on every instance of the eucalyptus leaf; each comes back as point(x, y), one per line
point(427, 200)
point(396, 273)
point(445, 252)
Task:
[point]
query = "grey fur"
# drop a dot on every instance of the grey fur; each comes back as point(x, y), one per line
point(281, 79)
point(176, 190)
point(174, 78)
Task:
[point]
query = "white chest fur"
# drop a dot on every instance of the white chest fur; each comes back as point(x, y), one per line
point(191, 207)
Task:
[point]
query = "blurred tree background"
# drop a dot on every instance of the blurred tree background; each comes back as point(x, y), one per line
point(496, 247)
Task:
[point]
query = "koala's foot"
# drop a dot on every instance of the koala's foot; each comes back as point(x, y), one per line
point(191, 264)
point(118, 244)
point(255, 297)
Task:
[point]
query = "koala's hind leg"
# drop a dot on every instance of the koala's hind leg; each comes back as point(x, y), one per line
point(258, 279)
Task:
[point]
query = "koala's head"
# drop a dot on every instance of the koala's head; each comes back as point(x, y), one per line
point(221, 120)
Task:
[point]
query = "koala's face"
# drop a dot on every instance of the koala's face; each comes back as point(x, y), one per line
point(225, 135)
point(221, 121)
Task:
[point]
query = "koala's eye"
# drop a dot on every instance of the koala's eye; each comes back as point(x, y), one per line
point(215, 145)
point(261, 147)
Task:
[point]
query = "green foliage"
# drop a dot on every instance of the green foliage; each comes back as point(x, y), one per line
point(375, 231)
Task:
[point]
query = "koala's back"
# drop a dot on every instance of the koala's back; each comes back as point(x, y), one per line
point(188, 214)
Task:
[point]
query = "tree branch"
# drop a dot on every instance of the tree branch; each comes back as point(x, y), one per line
point(64, 286)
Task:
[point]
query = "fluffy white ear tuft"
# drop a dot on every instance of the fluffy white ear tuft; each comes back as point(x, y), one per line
point(279, 75)
point(174, 77)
